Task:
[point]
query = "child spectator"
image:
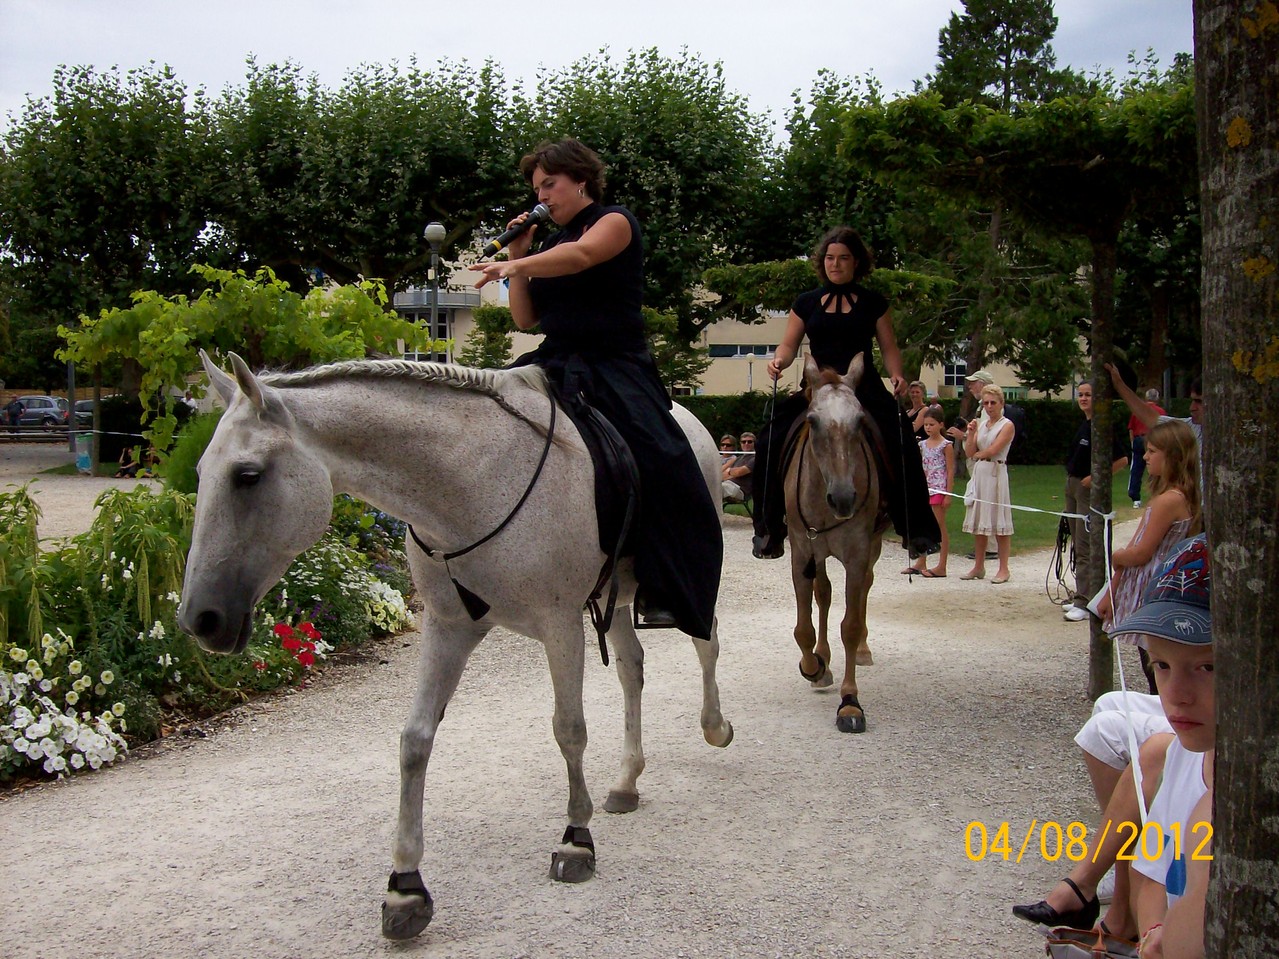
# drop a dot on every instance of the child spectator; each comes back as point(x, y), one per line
point(939, 470)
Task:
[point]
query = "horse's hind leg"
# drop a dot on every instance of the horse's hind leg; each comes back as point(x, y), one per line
point(629, 654)
point(716, 730)
point(408, 906)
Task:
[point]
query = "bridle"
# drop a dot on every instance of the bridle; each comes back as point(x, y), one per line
point(809, 530)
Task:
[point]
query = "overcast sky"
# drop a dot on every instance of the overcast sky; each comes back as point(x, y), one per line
point(769, 48)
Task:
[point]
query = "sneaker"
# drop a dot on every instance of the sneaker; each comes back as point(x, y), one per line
point(1106, 888)
point(1136, 504)
point(1075, 614)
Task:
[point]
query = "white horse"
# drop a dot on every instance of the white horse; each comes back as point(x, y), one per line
point(451, 451)
point(833, 509)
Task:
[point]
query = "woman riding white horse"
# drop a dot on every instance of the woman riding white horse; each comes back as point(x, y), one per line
point(442, 448)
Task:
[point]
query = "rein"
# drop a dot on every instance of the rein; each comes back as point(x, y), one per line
point(809, 530)
point(475, 606)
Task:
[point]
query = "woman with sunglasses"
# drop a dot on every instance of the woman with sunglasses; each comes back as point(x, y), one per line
point(989, 513)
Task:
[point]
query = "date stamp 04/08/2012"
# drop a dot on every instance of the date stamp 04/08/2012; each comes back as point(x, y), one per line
point(1070, 841)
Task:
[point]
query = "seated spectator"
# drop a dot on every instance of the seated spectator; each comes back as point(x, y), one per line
point(128, 463)
point(737, 472)
point(1174, 626)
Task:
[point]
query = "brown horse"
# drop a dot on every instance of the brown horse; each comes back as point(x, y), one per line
point(833, 509)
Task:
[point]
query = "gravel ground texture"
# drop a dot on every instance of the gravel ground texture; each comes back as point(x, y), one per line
point(267, 832)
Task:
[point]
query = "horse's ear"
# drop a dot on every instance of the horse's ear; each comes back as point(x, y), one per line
point(222, 384)
point(247, 382)
point(855, 370)
point(812, 372)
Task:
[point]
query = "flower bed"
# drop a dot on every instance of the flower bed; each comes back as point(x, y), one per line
point(91, 659)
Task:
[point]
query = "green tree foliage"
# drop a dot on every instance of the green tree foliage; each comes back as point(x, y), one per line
point(259, 317)
point(489, 345)
point(682, 151)
point(343, 181)
point(810, 186)
point(999, 52)
point(103, 191)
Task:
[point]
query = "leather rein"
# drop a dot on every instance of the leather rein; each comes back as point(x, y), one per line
point(475, 606)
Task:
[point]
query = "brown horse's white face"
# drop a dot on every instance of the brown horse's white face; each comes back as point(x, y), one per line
point(834, 422)
point(263, 499)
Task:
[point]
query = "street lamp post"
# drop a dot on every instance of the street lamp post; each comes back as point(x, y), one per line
point(435, 234)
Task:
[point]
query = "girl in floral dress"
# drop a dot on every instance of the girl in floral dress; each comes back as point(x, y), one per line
point(1172, 460)
point(939, 471)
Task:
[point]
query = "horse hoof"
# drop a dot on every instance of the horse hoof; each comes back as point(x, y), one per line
point(854, 722)
point(572, 865)
point(720, 739)
point(825, 680)
point(818, 674)
point(619, 801)
point(404, 917)
point(864, 658)
point(850, 724)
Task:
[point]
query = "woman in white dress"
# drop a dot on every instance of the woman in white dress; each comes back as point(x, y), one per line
point(990, 511)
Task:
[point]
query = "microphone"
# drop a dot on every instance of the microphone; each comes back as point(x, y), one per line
point(539, 214)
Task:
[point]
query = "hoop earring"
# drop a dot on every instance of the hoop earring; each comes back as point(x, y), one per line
point(580, 192)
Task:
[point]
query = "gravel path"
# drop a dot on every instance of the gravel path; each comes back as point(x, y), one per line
point(270, 834)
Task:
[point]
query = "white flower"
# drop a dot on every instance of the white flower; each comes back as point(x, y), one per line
point(55, 764)
point(107, 677)
point(77, 761)
point(157, 631)
point(21, 744)
point(37, 673)
point(106, 580)
point(46, 685)
point(100, 689)
point(74, 667)
point(127, 573)
point(165, 660)
point(118, 709)
point(72, 698)
point(173, 597)
point(34, 751)
point(17, 654)
point(32, 666)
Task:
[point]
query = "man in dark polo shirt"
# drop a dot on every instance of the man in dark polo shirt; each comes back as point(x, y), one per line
point(1079, 495)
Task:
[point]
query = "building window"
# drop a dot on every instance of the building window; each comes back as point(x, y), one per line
point(740, 350)
point(954, 374)
point(443, 331)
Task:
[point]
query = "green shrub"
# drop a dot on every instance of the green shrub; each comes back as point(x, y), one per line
point(178, 471)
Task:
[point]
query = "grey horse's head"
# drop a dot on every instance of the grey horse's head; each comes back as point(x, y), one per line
point(263, 499)
point(835, 420)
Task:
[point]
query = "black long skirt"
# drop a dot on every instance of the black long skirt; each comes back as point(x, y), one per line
point(679, 547)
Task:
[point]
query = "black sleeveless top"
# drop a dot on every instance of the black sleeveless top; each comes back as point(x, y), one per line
point(835, 338)
point(598, 309)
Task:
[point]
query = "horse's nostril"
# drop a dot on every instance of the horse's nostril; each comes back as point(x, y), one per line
point(208, 623)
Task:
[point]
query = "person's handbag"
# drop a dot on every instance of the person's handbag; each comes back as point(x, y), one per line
point(1067, 943)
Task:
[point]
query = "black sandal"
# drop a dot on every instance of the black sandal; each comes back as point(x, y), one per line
point(1082, 918)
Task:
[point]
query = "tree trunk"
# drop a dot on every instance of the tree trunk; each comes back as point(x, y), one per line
point(1101, 659)
point(1236, 52)
point(1157, 358)
point(975, 357)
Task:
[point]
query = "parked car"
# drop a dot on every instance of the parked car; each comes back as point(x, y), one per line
point(84, 412)
point(44, 412)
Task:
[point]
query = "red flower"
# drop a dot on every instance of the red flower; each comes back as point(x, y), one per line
point(282, 630)
point(306, 658)
point(309, 631)
point(291, 644)
point(259, 665)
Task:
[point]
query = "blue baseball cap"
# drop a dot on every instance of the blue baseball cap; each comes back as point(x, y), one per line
point(1175, 604)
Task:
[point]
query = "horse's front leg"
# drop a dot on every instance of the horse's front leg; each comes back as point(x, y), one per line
point(574, 859)
point(408, 906)
point(822, 593)
point(850, 717)
point(716, 730)
point(812, 666)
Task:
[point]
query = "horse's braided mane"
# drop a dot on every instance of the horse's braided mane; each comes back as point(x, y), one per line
point(490, 383)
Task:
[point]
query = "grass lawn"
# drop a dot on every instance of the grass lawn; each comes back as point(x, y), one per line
point(1043, 487)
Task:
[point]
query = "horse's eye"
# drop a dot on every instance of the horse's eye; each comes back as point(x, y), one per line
point(246, 477)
